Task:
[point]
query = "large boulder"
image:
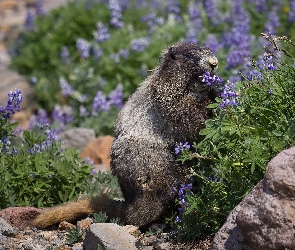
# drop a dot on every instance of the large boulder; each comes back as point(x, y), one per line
point(265, 219)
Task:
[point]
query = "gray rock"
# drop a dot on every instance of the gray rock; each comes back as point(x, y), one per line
point(77, 137)
point(265, 219)
point(49, 4)
point(10, 80)
point(109, 236)
point(6, 229)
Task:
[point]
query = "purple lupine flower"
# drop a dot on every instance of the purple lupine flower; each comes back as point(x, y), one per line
point(152, 21)
point(178, 219)
point(212, 11)
point(17, 131)
point(62, 116)
point(88, 160)
point(268, 62)
point(13, 104)
point(83, 47)
point(64, 54)
point(194, 24)
point(93, 172)
point(270, 91)
point(140, 44)
point(260, 5)
point(102, 33)
point(115, 57)
point(40, 118)
point(4, 145)
point(173, 7)
point(99, 103)
point(116, 97)
point(116, 14)
point(124, 53)
point(66, 88)
point(212, 43)
point(273, 21)
point(179, 147)
point(229, 96)
point(83, 111)
point(97, 51)
point(39, 8)
point(291, 15)
point(209, 80)
point(238, 39)
point(29, 21)
point(182, 199)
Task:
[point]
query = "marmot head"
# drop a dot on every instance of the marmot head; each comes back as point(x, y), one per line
point(185, 63)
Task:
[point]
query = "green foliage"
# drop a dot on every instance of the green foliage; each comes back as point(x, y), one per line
point(104, 182)
point(74, 235)
point(239, 142)
point(34, 171)
point(116, 221)
point(100, 217)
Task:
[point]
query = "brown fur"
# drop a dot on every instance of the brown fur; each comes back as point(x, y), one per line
point(168, 107)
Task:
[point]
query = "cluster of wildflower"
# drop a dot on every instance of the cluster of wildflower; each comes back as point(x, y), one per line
point(238, 39)
point(4, 145)
point(212, 11)
point(182, 199)
point(40, 118)
point(13, 104)
point(30, 21)
point(116, 14)
point(291, 16)
point(173, 7)
point(228, 95)
point(99, 103)
point(91, 162)
point(83, 111)
point(212, 43)
point(39, 8)
point(64, 54)
point(273, 21)
point(260, 5)
point(122, 53)
point(269, 61)
point(102, 103)
point(152, 21)
point(97, 51)
point(83, 47)
point(66, 88)
point(179, 147)
point(194, 24)
point(102, 33)
point(209, 80)
point(139, 44)
point(51, 136)
point(62, 116)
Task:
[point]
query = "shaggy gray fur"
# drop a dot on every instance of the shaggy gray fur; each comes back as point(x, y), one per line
point(168, 107)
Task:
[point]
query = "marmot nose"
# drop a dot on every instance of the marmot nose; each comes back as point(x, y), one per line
point(213, 62)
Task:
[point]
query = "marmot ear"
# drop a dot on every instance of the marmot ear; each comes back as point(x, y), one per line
point(171, 53)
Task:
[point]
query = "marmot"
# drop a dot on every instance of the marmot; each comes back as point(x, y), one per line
point(168, 107)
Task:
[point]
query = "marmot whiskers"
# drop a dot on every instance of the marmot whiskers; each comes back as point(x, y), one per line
point(168, 107)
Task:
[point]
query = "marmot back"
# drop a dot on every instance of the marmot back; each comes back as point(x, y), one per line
point(168, 107)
